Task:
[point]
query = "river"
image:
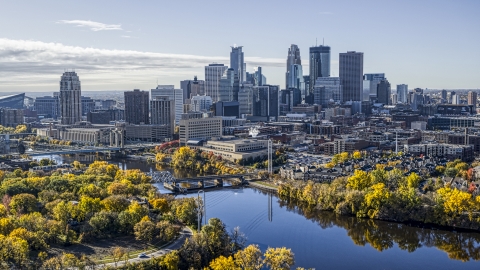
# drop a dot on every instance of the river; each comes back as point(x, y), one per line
point(323, 240)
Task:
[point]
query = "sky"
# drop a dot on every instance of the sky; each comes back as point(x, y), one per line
point(124, 45)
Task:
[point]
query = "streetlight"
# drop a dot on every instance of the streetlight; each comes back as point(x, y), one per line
point(201, 209)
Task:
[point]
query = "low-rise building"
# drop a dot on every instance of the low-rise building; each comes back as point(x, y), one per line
point(234, 150)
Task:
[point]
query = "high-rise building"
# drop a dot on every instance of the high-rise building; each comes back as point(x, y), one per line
point(173, 94)
point(384, 92)
point(162, 110)
point(237, 62)
point(136, 107)
point(192, 88)
point(370, 82)
point(227, 108)
point(402, 91)
point(200, 103)
point(290, 97)
point(327, 89)
point(245, 99)
point(472, 99)
point(444, 96)
point(88, 105)
point(47, 107)
point(319, 65)
point(351, 75)
point(266, 101)
point(70, 98)
point(213, 74)
point(456, 99)
point(294, 74)
point(226, 85)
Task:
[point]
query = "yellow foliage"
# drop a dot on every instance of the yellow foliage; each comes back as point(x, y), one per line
point(360, 180)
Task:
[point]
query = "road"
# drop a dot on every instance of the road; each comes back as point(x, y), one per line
point(184, 234)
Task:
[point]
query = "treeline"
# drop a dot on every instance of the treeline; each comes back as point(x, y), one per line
point(389, 195)
point(64, 209)
point(214, 248)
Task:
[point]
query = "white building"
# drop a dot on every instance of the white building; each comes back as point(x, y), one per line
point(199, 126)
point(420, 125)
point(213, 74)
point(173, 94)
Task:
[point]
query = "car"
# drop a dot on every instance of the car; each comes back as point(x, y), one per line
point(142, 255)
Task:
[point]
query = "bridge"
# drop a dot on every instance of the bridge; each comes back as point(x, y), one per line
point(72, 151)
point(194, 183)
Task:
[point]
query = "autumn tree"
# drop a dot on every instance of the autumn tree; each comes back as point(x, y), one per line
point(249, 258)
point(23, 203)
point(144, 230)
point(223, 263)
point(117, 254)
point(279, 258)
point(360, 180)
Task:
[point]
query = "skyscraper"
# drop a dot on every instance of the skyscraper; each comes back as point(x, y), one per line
point(200, 103)
point(319, 65)
point(265, 101)
point(173, 94)
point(444, 96)
point(237, 63)
point(384, 92)
point(70, 98)
point(226, 85)
point(192, 88)
point(294, 74)
point(370, 82)
point(163, 112)
point(351, 75)
point(213, 74)
point(402, 91)
point(136, 107)
point(326, 89)
point(472, 99)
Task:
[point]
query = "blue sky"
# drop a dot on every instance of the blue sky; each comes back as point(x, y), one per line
point(121, 45)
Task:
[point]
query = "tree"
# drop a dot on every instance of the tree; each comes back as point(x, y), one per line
point(88, 206)
point(166, 231)
point(21, 148)
point(249, 258)
point(360, 180)
point(454, 201)
point(13, 250)
point(171, 260)
point(375, 199)
point(357, 155)
point(413, 180)
point(451, 172)
point(144, 230)
point(117, 254)
point(115, 203)
point(160, 204)
point(223, 263)
point(23, 203)
point(279, 258)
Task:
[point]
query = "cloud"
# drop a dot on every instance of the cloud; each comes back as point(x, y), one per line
point(94, 26)
point(34, 63)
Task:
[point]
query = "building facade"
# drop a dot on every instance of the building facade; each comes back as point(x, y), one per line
point(47, 107)
point(163, 112)
point(319, 65)
point(237, 62)
point(213, 74)
point(327, 89)
point(70, 98)
point(402, 91)
point(200, 103)
point(136, 107)
point(351, 75)
point(384, 92)
point(199, 126)
point(294, 75)
point(472, 99)
point(173, 94)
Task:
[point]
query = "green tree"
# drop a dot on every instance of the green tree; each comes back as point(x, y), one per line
point(23, 203)
point(144, 230)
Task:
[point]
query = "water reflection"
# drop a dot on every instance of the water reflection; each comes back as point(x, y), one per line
point(381, 235)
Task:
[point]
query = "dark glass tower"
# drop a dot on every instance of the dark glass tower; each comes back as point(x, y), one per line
point(351, 75)
point(319, 65)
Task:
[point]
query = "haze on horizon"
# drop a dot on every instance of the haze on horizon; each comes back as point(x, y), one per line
point(126, 45)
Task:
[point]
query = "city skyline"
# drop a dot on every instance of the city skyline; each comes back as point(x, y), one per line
point(113, 52)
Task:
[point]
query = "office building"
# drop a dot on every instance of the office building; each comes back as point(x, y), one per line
point(173, 94)
point(226, 85)
point(200, 103)
point(196, 127)
point(265, 101)
point(11, 117)
point(70, 98)
point(136, 107)
point(402, 91)
point(384, 92)
point(227, 108)
point(319, 66)
point(455, 99)
point(88, 105)
point(105, 116)
point(213, 74)
point(237, 63)
point(294, 74)
point(192, 88)
point(47, 107)
point(444, 96)
point(351, 75)
point(290, 97)
point(370, 82)
point(162, 110)
point(326, 90)
point(245, 100)
point(472, 99)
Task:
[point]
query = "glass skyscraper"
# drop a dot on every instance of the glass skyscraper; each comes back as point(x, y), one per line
point(351, 75)
point(237, 62)
point(319, 65)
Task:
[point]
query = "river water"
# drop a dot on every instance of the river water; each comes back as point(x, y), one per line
point(323, 240)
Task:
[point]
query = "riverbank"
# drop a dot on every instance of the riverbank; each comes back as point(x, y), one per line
point(262, 185)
